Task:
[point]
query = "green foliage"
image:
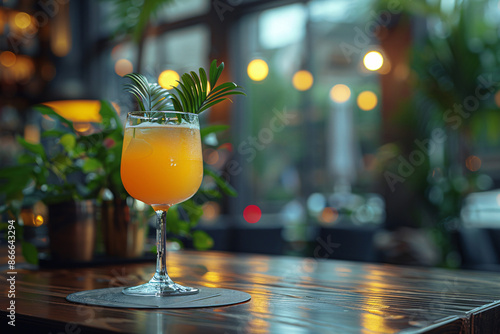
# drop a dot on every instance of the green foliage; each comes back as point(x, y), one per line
point(202, 241)
point(149, 96)
point(193, 95)
point(81, 166)
point(453, 63)
point(77, 167)
point(132, 16)
point(29, 252)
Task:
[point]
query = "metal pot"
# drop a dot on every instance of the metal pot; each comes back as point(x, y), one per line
point(124, 226)
point(72, 229)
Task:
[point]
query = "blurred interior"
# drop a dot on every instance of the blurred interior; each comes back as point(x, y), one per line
point(370, 130)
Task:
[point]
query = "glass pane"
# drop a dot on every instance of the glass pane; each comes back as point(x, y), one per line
point(298, 137)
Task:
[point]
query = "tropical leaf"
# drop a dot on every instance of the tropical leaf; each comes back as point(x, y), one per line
point(149, 96)
point(193, 95)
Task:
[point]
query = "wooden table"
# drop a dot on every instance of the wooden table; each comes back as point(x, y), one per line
point(289, 295)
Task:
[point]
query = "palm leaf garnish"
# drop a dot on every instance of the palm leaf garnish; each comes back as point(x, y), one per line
point(193, 95)
point(149, 96)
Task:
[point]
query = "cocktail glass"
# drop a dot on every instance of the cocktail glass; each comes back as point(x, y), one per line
point(161, 165)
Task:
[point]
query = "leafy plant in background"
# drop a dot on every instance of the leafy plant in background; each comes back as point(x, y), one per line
point(79, 167)
point(76, 167)
point(132, 18)
point(455, 60)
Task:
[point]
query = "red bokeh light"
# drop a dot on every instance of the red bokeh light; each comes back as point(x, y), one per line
point(252, 214)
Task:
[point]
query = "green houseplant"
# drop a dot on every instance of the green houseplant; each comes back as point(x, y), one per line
point(82, 167)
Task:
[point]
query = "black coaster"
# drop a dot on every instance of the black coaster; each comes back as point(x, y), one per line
point(113, 297)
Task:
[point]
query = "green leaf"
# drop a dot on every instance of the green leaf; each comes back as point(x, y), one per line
point(193, 211)
point(109, 113)
point(206, 106)
point(14, 180)
point(192, 95)
point(45, 110)
point(53, 133)
point(62, 162)
point(34, 148)
point(213, 129)
point(68, 141)
point(30, 252)
point(26, 159)
point(91, 165)
point(149, 96)
point(221, 183)
point(202, 241)
point(209, 193)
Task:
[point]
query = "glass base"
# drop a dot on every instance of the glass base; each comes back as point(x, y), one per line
point(160, 288)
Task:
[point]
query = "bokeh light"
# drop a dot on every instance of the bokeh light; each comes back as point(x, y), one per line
point(373, 60)
point(81, 126)
point(386, 67)
point(211, 156)
point(367, 100)
point(316, 202)
point(328, 215)
point(497, 98)
point(7, 58)
point(77, 111)
point(22, 20)
point(257, 70)
point(38, 220)
point(473, 163)
point(340, 93)
point(252, 214)
point(123, 67)
point(168, 79)
point(211, 211)
point(24, 68)
point(302, 80)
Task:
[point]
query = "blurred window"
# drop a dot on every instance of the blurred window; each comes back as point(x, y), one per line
point(297, 134)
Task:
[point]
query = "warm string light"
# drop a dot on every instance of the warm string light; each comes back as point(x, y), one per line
point(373, 60)
point(340, 93)
point(302, 80)
point(168, 79)
point(257, 70)
point(123, 67)
point(367, 100)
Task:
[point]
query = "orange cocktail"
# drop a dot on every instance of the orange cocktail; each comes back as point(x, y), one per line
point(161, 164)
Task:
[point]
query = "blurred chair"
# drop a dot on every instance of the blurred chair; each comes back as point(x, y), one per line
point(478, 238)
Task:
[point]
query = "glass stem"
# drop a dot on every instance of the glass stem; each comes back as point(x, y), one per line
point(161, 246)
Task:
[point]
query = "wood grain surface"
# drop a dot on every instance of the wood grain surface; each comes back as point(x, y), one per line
point(289, 295)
